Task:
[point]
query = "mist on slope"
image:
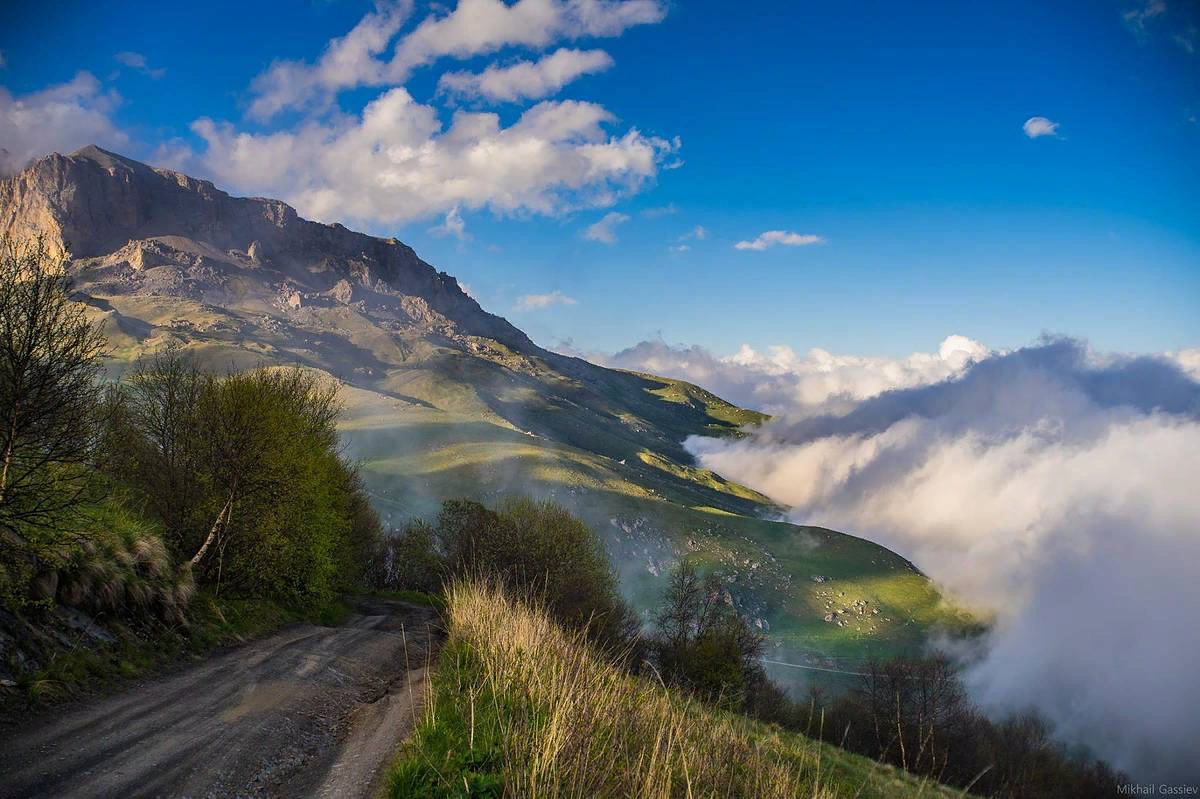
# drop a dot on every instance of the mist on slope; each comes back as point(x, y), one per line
point(1052, 485)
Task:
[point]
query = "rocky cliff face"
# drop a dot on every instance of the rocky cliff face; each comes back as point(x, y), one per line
point(129, 228)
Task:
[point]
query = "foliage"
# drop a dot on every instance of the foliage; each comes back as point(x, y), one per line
point(244, 473)
point(702, 645)
point(408, 560)
point(539, 549)
point(49, 361)
point(914, 713)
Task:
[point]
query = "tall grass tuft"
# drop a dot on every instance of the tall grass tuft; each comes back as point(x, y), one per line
point(122, 566)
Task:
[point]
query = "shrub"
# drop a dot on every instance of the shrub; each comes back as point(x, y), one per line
point(49, 361)
point(408, 560)
point(703, 646)
point(243, 472)
point(538, 549)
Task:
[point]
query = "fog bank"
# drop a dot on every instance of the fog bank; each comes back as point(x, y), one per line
point(1054, 485)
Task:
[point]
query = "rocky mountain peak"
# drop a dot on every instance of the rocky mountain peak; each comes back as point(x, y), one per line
point(131, 228)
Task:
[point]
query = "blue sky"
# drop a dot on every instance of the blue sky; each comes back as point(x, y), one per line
point(889, 132)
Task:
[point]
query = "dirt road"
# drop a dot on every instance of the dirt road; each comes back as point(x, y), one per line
point(310, 711)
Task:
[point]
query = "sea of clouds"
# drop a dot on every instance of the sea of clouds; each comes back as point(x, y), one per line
point(1053, 485)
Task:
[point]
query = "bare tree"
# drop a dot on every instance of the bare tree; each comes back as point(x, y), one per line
point(49, 363)
point(163, 402)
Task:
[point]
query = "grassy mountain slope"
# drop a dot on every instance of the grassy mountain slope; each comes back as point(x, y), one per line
point(444, 399)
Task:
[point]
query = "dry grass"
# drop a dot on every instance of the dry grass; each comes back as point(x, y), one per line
point(521, 708)
point(122, 565)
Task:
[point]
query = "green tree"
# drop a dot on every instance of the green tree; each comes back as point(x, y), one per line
point(703, 645)
point(540, 550)
point(49, 363)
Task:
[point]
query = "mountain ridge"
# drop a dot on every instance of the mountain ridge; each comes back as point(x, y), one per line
point(445, 399)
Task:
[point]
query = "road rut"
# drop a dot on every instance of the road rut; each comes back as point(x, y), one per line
point(309, 711)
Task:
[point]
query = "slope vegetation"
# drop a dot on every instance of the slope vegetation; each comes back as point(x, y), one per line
point(445, 399)
point(521, 708)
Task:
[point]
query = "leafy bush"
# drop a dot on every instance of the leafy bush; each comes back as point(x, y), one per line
point(703, 646)
point(49, 361)
point(408, 560)
point(243, 472)
point(539, 550)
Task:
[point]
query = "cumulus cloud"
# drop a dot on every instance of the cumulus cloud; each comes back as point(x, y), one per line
point(604, 231)
point(138, 61)
point(1136, 18)
point(473, 28)
point(60, 118)
point(348, 61)
point(536, 302)
point(526, 80)
point(452, 225)
point(656, 211)
point(1039, 126)
point(394, 162)
point(773, 237)
point(780, 379)
point(1053, 485)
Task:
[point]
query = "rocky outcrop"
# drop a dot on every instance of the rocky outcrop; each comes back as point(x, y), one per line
point(123, 219)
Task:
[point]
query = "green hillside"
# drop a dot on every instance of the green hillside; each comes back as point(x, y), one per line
point(430, 422)
point(445, 399)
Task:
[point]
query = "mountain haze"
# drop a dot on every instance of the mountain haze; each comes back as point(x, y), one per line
point(445, 399)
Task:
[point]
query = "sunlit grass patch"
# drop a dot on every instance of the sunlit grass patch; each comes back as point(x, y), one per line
point(519, 707)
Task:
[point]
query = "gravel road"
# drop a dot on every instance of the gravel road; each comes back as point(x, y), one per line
point(309, 711)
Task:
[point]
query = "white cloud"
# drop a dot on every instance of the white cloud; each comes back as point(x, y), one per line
point(1039, 126)
point(395, 163)
point(526, 80)
point(60, 118)
point(698, 233)
point(348, 61)
point(1136, 18)
point(138, 61)
point(780, 379)
point(604, 230)
point(772, 237)
point(3, 60)
point(655, 212)
point(1186, 39)
point(473, 28)
point(452, 225)
point(1052, 485)
point(479, 27)
point(536, 302)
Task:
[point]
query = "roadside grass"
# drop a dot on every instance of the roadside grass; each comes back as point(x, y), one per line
point(518, 707)
point(435, 601)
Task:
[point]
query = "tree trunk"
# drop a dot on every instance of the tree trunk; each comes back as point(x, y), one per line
point(222, 520)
